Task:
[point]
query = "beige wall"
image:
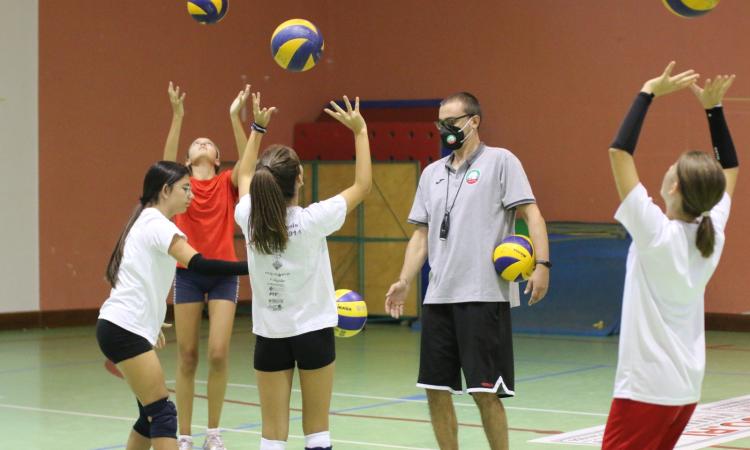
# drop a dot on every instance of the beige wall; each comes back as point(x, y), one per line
point(19, 150)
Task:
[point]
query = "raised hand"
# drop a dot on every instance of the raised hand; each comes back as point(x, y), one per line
point(176, 99)
point(713, 91)
point(239, 101)
point(667, 83)
point(351, 118)
point(261, 116)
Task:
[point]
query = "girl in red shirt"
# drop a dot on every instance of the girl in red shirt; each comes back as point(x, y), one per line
point(209, 226)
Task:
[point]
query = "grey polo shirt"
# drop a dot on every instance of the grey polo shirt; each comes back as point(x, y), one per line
point(492, 184)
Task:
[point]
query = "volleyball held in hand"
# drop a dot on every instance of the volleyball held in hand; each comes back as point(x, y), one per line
point(352, 313)
point(207, 11)
point(514, 258)
point(690, 8)
point(296, 45)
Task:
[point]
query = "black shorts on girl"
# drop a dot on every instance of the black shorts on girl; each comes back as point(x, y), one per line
point(473, 337)
point(308, 351)
point(119, 344)
point(192, 287)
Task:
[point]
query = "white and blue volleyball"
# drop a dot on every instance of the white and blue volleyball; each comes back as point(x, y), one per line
point(296, 45)
point(352, 311)
point(514, 258)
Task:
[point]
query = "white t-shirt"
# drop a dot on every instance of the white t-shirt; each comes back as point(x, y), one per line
point(293, 291)
point(139, 301)
point(662, 354)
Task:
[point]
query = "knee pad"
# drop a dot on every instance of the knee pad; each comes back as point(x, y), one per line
point(163, 418)
point(142, 426)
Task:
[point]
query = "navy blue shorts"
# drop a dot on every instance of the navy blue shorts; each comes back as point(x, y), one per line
point(191, 287)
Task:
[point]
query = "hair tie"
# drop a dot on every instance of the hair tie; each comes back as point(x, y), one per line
point(706, 214)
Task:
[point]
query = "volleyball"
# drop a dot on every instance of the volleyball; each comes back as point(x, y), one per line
point(296, 45)
point(207, 11)
point(514, 258)
point(690, 8)
point(352, 313)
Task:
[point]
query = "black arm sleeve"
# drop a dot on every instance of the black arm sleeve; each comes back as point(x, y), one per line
point(216, 266)
point(627, 137)
point(721, 139)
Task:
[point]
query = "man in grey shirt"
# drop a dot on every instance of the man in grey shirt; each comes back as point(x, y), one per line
point(466, 203)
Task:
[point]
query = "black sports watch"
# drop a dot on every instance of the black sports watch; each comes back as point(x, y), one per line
point(544, 262)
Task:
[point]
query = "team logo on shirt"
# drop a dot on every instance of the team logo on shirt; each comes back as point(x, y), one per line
point(472, 177)
point(276, 262)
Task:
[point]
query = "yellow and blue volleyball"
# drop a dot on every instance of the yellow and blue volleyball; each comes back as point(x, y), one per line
point(514, 258)
point(296, 45)
point(690, 8)
point(207, 11)
point(352, 313)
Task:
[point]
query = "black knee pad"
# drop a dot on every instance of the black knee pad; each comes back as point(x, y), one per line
point(142, 426)
point(163, 418)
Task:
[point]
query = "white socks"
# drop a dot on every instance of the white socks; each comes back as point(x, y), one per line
point(266, 444)
point(318, 440)
point(213, 431)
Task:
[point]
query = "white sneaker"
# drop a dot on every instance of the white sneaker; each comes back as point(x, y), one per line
point(185, 444)
point(213, 442)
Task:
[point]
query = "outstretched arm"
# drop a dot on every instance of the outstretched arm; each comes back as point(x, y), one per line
point(622, 149)
point(353, 120)
point(247, 163)
point(178, 111)
point(239, 133)
point(710, 97)
point(187, 256)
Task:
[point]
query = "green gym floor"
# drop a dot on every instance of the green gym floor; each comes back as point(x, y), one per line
point(55, 392)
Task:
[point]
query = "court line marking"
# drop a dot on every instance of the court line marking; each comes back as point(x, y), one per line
point(422, 400)
point(130, 419)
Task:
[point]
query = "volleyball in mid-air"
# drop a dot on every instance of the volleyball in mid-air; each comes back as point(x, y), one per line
point(352, 313)
point(296, 45)
point(690, 8)
point(207, 11)
point(514, 258)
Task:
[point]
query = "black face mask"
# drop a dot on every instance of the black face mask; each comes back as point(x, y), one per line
point(452, 136)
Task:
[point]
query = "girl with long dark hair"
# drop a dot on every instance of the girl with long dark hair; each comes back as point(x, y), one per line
point(140, 271)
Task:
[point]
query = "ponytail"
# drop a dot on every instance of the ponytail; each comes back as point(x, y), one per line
point(705, 237)
point(113, 268)
point(268, 213)
point(702, 184)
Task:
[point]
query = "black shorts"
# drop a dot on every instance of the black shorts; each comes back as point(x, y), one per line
point(309, 351)
point(474, 337)
point(119, 344)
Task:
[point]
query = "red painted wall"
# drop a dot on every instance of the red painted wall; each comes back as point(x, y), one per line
point(554, 78)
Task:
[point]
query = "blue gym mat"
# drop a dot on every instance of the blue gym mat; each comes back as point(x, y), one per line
point(586, 282)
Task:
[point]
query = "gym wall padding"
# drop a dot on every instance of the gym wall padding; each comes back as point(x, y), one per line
point(586, 282)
